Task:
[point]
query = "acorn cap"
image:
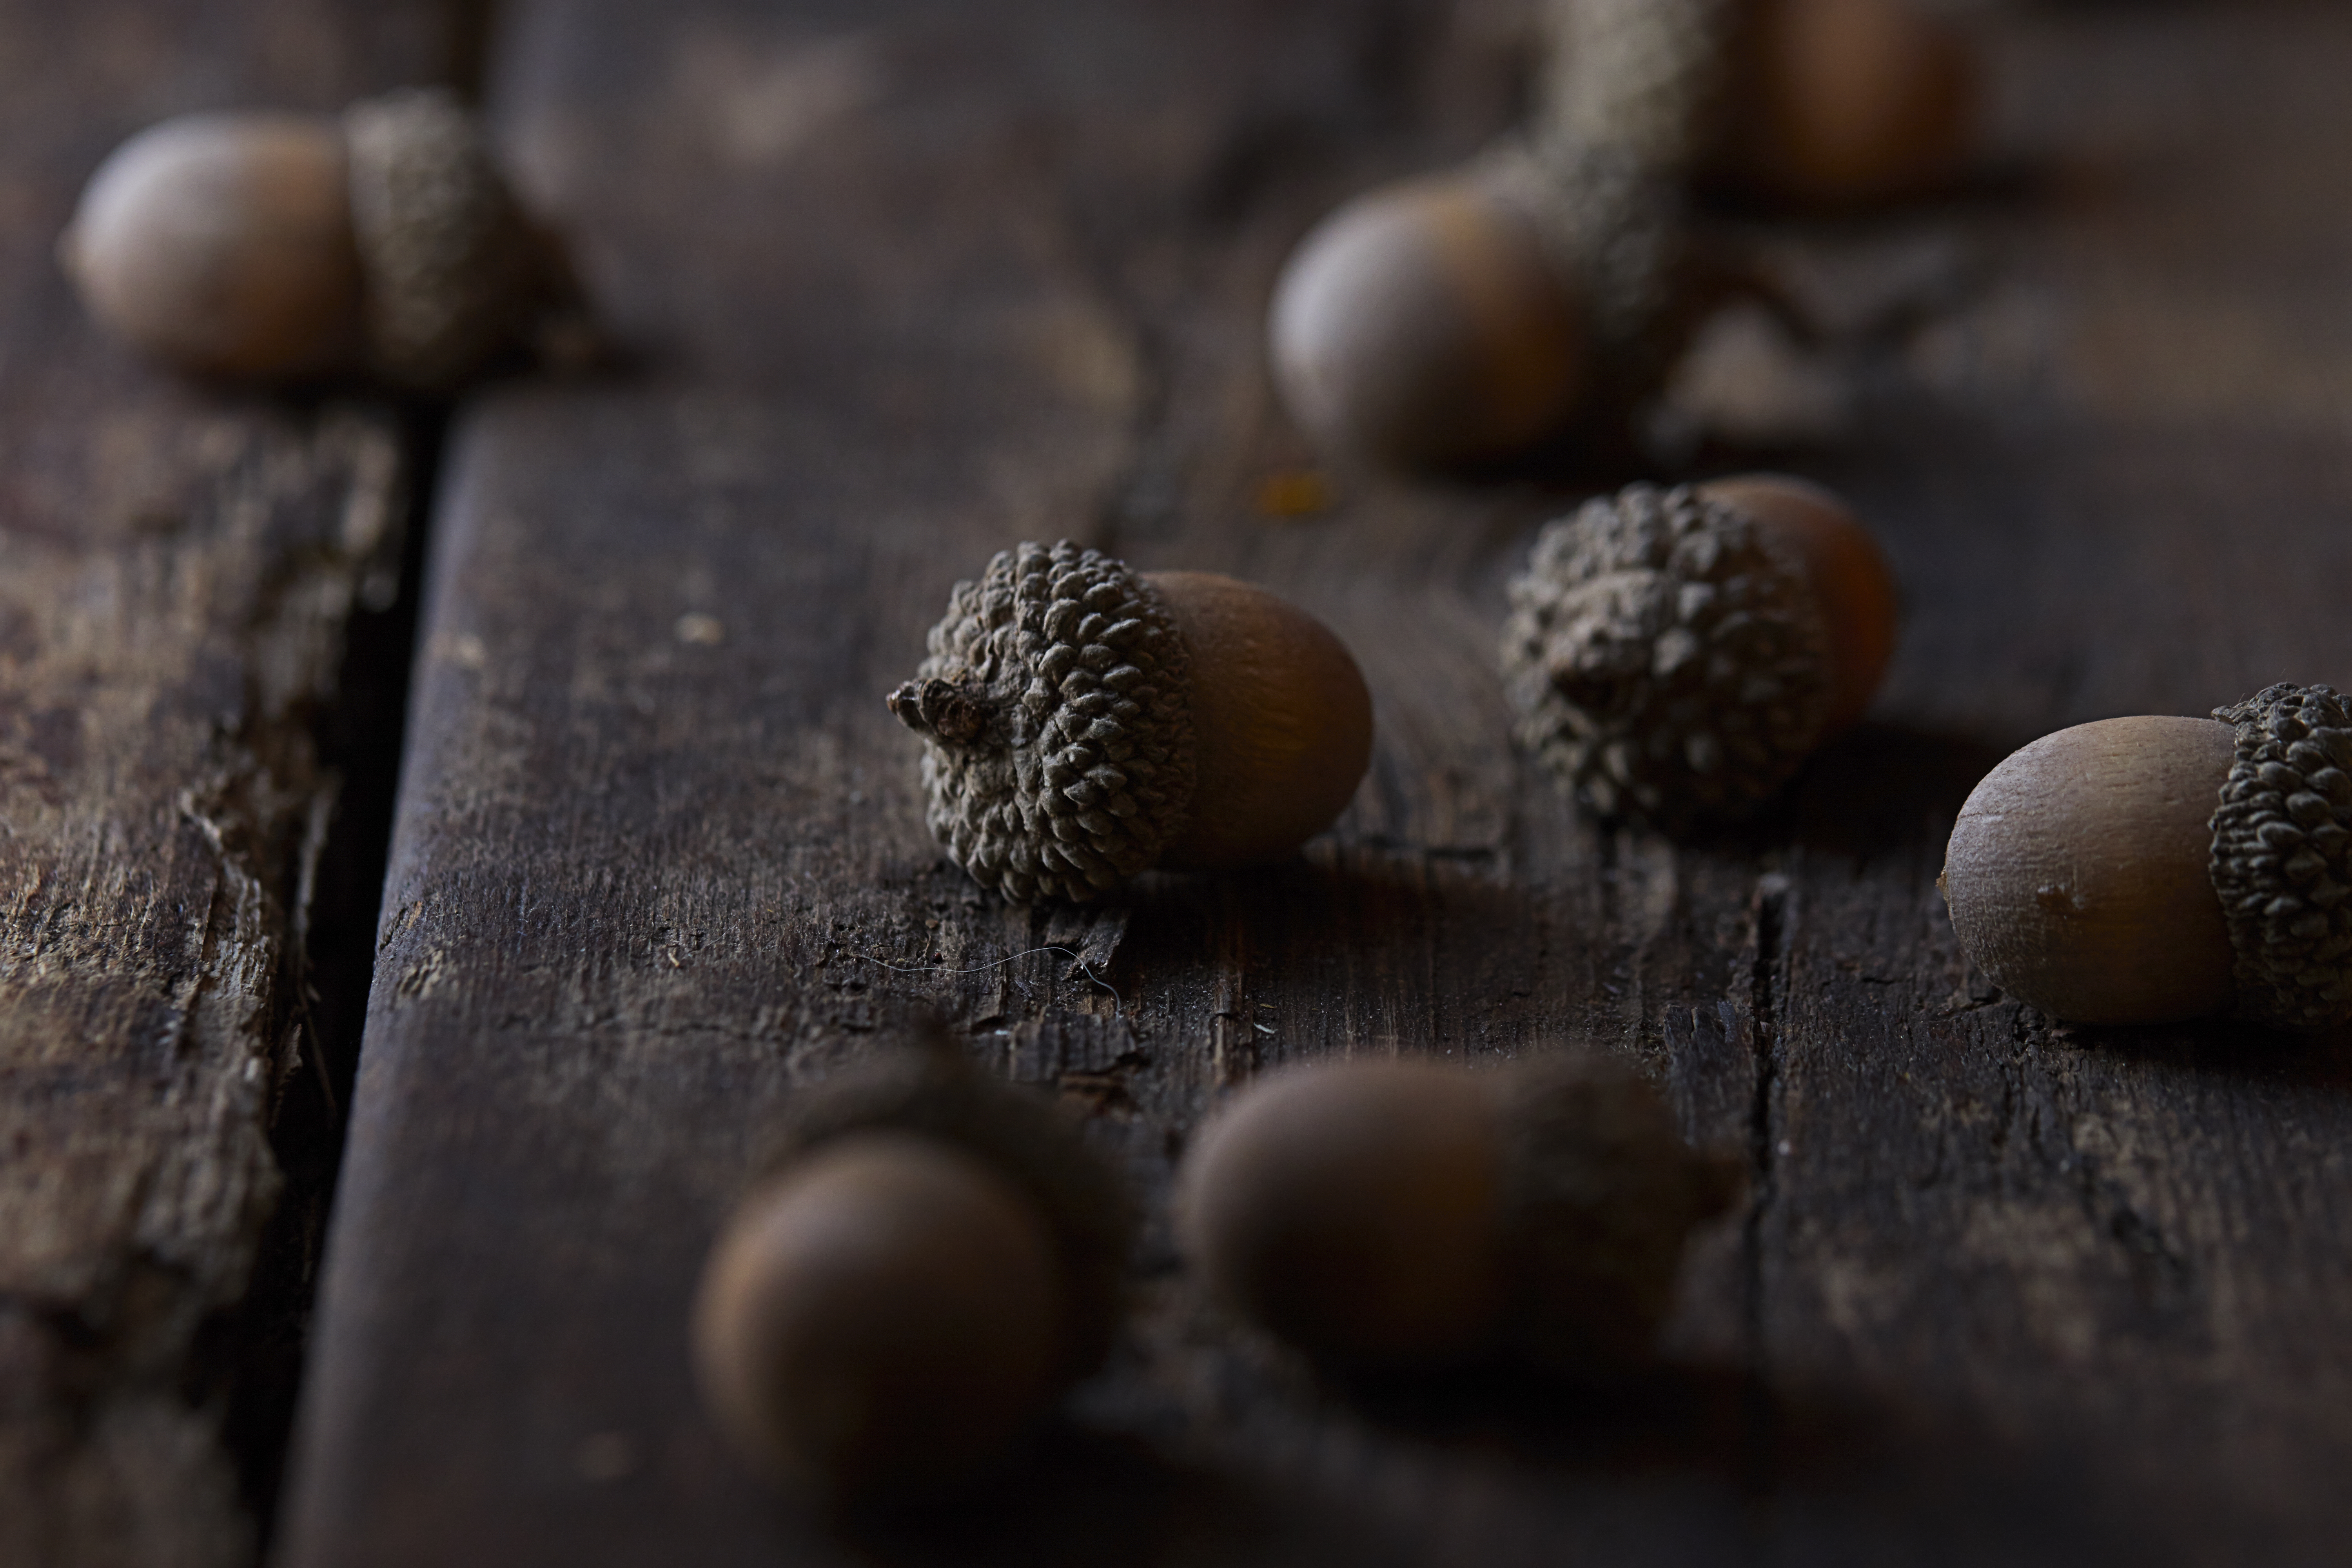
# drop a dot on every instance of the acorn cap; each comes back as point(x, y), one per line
point(2283, 857)
point(1667, 657)
point(452, 266)
point(1059, 758)
point(1615, 238)
point(1600, 1192)
point(933, 1091)
point(1650, 77)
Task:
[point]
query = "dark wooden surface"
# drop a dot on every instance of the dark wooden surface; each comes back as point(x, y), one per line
point(179, 570)
point(910, 281)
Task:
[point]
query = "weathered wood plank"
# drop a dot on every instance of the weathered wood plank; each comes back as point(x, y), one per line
point(920, 280)
point(2127, 460)
point(177, 570)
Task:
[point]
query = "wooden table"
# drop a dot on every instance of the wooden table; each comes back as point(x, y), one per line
point(908, 280)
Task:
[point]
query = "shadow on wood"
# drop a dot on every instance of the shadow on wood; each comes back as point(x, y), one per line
point(1881, 788)
point(1083, 1497)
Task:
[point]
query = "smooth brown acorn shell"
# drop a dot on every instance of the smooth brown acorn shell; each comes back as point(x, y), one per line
point(1850, 577)
point(1282, 723)
point(2078, 874)
point(1356, 1209)
point(1423, 324)
point(1852, 100)
point(222, 243)
point(885, 1314)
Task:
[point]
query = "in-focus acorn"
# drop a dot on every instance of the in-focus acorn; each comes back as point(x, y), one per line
point(1470, 315)
point(1083, 721)
point(2148, 869)
point(1674, 655)
point(931, 1258)
point(1819, 101)
point(278, 247)
point(1407, 1214)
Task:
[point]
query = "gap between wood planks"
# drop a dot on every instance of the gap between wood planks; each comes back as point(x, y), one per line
point(361, 741)
point(262, 1345)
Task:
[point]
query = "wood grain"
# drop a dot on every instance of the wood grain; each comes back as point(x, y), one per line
point(178, 568)
point(914, 280)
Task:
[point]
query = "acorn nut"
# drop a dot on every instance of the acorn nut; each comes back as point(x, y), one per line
point(1082, 721)
point(2148, 869)
point(275, 247)
point(933, 1257)
point(1401, 1214)
point(1469, 316)
point(1675, 655)
point(1852, 101)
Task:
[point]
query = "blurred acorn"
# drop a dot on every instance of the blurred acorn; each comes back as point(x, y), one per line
point(1402, 1214)
point(274, 247)
point(931, 1259)
point(1550, 283)
point(1474, 314)
point(1821, 102)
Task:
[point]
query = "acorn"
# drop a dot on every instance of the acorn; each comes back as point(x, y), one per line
point(1674, 655)
point(1826, 102)
point(1553, 280)
point(929, 1260)
point(1404, 1215)
point(2150, 870)
point(1082, 721)
point(1471, 315)
point(278, 246)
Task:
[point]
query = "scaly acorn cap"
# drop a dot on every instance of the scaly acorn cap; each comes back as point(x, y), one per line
point(1667, 657)
point(1616, 238)
point(1058, 756)
point(933, 1091)
point(2283, 857)
point(1648, 77)
point(452, 268)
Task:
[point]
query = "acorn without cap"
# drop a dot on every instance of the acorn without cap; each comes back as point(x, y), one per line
point(1674, 655)
point(275, 247)
point(2151, 870)
point(1404, 1215)
point(1473, 315)
point(931, 1259)
point(1082, 720)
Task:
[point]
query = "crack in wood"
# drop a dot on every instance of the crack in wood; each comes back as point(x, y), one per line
point(1767, 981)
